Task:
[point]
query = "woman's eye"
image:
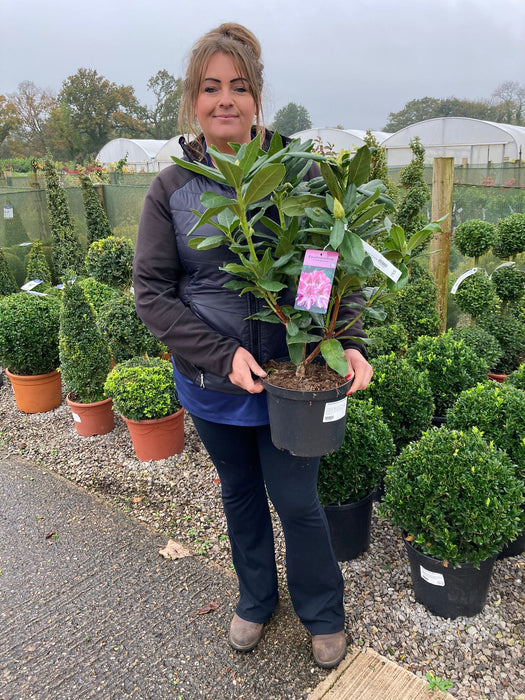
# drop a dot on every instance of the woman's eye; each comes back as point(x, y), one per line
point(209, 89)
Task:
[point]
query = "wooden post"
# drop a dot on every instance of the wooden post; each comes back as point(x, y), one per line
point(442, 182)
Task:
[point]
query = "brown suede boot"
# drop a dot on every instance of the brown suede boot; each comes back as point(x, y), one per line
point(329, 649)
point(244, 635)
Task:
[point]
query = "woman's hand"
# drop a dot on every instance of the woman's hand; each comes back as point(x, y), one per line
point(358, 368)
point(243, 365)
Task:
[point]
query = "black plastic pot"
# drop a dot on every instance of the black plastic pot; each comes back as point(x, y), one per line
point(350, 527)
point(307, 423)
point(448, 592)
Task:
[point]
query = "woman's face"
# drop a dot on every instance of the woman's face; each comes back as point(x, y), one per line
point(225, 107)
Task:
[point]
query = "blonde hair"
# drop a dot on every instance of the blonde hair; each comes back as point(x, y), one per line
point(244, 49)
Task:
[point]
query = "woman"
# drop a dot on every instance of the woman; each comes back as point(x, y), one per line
point(218, 358)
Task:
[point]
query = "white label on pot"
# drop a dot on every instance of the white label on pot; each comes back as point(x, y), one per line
point(335, 410)
point(30, 285)
point(382, 263)
point(432, 577)
point(76, 417)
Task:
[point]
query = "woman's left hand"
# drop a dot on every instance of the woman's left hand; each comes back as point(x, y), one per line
point(359, 368)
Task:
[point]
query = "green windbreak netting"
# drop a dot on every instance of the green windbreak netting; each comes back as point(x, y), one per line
point(489, 193)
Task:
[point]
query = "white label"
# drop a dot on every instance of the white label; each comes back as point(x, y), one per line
point(461, 278)
point(76, 417)
point(432, 577)
point(8, 211)
point(382, 263)
point(30, 285)
point(335, 410)
point(505, 264)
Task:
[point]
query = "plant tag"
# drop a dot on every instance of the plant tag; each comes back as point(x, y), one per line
point(461, 278)
point(335, 410)
point(30, 285)
point(381, 263)
point(431, 577)
point(315, 282)
point(76, 417)
point(8, 211)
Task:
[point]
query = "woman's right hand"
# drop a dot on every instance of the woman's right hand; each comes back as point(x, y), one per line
point(243, 365)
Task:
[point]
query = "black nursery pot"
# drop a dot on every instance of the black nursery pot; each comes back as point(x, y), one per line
point(307, 423)
point(448, 592)
point(350, 527)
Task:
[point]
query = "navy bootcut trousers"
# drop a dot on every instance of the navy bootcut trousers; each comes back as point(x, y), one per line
point(249, 465)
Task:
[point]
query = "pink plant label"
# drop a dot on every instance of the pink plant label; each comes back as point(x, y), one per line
point(315, 282)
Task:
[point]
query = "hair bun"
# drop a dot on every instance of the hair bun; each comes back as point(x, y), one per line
point(237, 32)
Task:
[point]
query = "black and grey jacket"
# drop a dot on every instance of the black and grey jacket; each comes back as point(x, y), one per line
point(179, 293)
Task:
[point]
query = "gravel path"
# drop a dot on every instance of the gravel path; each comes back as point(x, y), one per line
point(482, 656)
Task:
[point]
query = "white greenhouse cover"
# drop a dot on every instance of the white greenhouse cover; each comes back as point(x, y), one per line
point(340, 139)
point(468, 141)
point(140, 153)
point(170, 148)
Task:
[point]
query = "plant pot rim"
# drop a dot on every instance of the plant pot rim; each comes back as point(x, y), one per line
point(439, 562)
point(348, 505)
point(91, 403)
point(43, 374)
point(152, 420)
point(309, 395)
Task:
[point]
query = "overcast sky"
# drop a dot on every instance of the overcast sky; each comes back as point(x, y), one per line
point(347, 62)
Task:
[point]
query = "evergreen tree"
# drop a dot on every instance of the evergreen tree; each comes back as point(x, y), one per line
point(67, 250)
point(7, 281)
point(410, 214)
point(291, 119)
point(97, 222)
point(37, 267)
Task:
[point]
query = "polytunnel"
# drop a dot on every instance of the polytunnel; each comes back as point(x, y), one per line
point(338, 139)
point(140, 153)
point(468, 141)
point(170, 148)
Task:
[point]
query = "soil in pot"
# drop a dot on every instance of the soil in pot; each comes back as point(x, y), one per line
point(318, 377)
point(449, 592)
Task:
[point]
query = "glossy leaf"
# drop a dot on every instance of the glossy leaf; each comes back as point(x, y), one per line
point(333, 354)
point(264, 182)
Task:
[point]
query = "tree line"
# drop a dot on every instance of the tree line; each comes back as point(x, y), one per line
point(90, 110)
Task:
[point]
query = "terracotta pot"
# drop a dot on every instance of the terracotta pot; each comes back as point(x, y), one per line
point(36, 393)
point(498, 377)
point(158, 438)
point(92, 418)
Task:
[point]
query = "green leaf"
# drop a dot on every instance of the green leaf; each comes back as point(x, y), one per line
point(210, 242)
point(333, 354)
point(228, 219)
point(276, 144)
point(401, 282)
point(251, 153)
point(337, 234)
point(331, 180)
point(351, 249)
point(271, 285)
point(229, 168)
point(296, 206)
point(296, 353)
point(212, 200)
point(368, 214)
point(359, 168)
point(417, 238)
point(200, 169)
point(264, 182)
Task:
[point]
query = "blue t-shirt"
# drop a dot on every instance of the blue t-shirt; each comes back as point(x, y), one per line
point(218, 407)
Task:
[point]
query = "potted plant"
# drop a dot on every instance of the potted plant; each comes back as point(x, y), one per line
point(123, 330)
point(29, 326)
point(144, 393)
point(110, 260)
point(498, 411)
point(84, 364)
point(315, 257)
point(348, 478)
point(450, 365)
point(480, 342)
point(405, 396)
point(457, 501)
